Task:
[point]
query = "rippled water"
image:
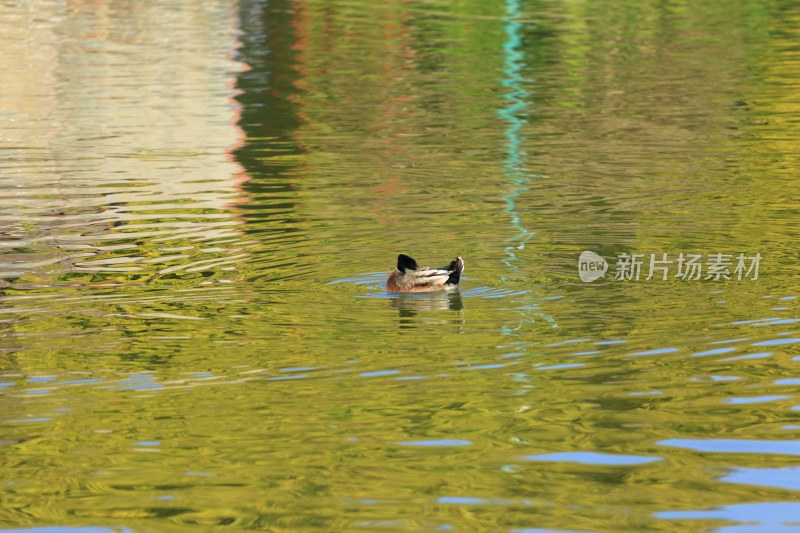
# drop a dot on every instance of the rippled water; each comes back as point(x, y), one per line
point(202, 200)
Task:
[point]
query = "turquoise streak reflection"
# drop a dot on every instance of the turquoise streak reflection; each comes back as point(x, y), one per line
point(513, 113)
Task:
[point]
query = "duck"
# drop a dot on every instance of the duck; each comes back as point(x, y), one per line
point(408, 277)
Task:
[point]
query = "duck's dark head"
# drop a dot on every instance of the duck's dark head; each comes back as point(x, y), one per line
point(405, 262)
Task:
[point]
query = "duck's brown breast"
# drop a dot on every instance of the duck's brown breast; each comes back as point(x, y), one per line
point(391, 283)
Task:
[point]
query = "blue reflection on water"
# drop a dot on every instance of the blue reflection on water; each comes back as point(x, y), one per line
point(656, 351)
point(755, 399)
point(776, 342)
point(768, 517)
point(731, 341)
point(783, 478)
point(81, 381)
point(487, 366)
point(470, 500)
point(142, 386)
point(715, 351)
point(460, 500)
point(785, 447)
point(31, 420)
point(759, 355)
point(436, 443)
point(378, 373)
point(538, 530)
point(568, 341)
point(779, 321)
point(560, 367)
point(593, 458)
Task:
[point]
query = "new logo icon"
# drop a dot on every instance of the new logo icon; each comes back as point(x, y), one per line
point(591, 266)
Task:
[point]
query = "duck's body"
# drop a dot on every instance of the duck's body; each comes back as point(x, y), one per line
point(408, 277)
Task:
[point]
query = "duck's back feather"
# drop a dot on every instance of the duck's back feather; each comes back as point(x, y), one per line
point(407, 279)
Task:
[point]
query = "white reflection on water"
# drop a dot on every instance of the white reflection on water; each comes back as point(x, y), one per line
point(116, 137)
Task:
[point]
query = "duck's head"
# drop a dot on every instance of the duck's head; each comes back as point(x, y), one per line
point(405, 262)
point(456, 265)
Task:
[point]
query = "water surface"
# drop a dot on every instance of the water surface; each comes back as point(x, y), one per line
point(202, 202)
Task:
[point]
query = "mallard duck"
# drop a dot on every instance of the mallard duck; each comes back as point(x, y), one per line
point(408, 277)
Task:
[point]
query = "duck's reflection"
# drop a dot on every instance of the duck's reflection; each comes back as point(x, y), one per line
point(433, 301)
point(409, 306)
